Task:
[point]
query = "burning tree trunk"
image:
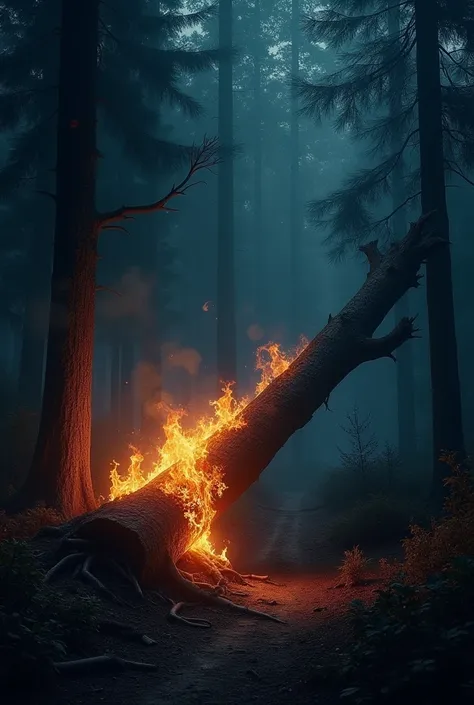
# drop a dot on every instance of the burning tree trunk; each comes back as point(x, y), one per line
point(149, 528)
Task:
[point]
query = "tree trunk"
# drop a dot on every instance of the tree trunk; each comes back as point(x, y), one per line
point(148, 528)
point(296, 224)
point(404, 369)
point(445, 387)
point(258, 228)
point(407, 437)
point(60, 472)
point(226, 334)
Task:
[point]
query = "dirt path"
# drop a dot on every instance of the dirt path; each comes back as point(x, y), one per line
point(240, 659)
point(243, 660)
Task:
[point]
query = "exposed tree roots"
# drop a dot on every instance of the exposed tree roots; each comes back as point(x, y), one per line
point(208, 580)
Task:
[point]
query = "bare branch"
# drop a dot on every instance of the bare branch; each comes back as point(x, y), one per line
point(457, 63)
point(375, 348)
point(385, 219)
point(452, 167)
point(205, 156)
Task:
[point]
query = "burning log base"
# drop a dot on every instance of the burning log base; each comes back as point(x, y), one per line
point(156, 530)
point(85, 557)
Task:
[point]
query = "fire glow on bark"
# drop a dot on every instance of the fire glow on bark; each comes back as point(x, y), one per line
point(184, 448)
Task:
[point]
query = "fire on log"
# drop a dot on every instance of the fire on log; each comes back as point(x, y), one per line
point(152, 528)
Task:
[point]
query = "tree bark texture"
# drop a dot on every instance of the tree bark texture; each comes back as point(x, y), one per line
point(60, 472)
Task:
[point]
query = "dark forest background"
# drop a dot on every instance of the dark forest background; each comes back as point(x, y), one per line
point(293, 144)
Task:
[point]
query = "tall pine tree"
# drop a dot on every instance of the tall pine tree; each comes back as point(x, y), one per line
point(433, 125)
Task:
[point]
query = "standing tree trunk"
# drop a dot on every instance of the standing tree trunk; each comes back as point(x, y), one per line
point(258, 227)
point(446, 394)
point(405, 366)
point(296, 224)
point(60, 472)
point(226, 333)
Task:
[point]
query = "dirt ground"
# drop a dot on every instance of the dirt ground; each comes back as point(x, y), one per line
point(240, 659)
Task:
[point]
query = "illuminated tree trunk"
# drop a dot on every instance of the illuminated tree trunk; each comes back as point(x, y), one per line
point(258, 226)
point(149, 529)
point(296, 221)
point(60, 471)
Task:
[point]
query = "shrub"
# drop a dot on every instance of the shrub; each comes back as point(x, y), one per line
point(365, 470)
point(18, 432)
point(415, 644)
point(429, 550)
point(374, 522)
point(353, 567)
point(38, 625)
point(27, 524)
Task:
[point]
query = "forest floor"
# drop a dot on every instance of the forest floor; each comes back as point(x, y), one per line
point(240, 659)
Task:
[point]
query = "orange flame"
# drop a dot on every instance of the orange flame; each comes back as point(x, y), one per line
point(183, 448)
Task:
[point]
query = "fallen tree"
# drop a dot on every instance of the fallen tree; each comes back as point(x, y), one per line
point(148, 530)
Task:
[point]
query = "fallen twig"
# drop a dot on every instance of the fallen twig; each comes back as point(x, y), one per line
point(110, 626)
point(103, 663)
point(190, 621)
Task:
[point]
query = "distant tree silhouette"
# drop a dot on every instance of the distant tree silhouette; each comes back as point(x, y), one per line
point(431, 60)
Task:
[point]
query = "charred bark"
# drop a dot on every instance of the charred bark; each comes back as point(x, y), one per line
point(60, 471)
point(149, 529)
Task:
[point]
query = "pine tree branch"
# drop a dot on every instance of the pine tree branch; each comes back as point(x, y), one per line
point(457, 63)
point(383, 221)
point(205, 157)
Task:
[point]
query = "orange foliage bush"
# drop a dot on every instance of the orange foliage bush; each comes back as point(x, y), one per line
point(430, 550)
point(354, 567)
point(27, 524)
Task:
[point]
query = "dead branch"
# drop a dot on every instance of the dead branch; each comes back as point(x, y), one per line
point(189, 621)
point(376, 348)
point(100, 664)
point(110, 626)
point(205, 156)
